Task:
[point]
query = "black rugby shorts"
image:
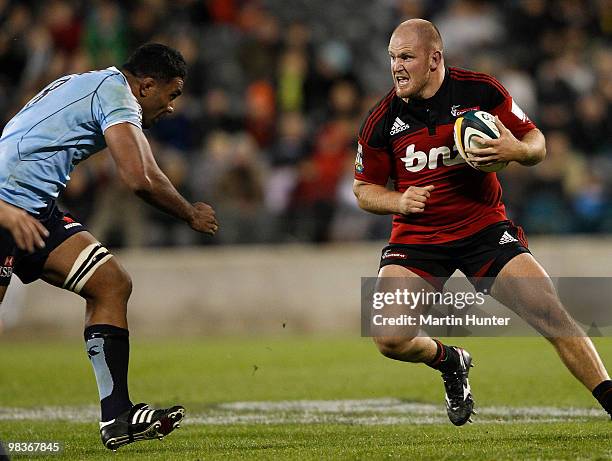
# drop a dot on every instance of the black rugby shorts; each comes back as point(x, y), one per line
point(480, 256)
point(29, 266)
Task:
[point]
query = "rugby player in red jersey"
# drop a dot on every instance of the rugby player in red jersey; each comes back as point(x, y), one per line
point(448, 216)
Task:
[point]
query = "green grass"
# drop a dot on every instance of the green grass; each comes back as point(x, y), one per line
point(329, 441)
point(202, 374)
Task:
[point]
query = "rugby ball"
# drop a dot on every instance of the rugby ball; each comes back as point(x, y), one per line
point(471, 125)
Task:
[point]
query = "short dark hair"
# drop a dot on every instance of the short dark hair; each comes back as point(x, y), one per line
point(156, 61)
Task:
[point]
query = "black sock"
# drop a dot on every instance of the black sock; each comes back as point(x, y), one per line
point(446, 359)
point(108, 348)
point(603, 394)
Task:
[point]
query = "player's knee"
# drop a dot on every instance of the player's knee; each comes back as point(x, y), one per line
point(393, 347)
point(121, 283)
point(111, 281)
point(548, 305)
point(551, 319)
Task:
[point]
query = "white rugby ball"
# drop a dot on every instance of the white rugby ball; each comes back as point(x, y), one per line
point(471, 125)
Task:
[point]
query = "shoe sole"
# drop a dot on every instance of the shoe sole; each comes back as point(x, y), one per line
point(157, 430)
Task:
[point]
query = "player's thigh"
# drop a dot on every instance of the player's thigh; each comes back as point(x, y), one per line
point(409, 278)
point(394, 276)
point(524, 286)
point(523, 282)
point(82, 265)
point(409, 293)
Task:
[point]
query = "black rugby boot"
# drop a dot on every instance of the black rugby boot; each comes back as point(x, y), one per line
point(141, 423)
point(459, 401)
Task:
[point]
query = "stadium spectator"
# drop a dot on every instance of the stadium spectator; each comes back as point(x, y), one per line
point(104, 37)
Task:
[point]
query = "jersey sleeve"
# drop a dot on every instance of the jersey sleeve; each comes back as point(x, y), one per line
point(373, 161)
point(114, 103)
point(508, 111)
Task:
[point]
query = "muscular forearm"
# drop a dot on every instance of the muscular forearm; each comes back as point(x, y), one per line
point(534, 148)
point(377, 199)
point(159, 192)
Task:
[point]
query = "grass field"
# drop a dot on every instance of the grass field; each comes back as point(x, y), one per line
point(307, 398)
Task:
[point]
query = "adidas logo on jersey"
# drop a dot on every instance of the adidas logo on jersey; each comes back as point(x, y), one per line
point(506, 238)
point(398, 126)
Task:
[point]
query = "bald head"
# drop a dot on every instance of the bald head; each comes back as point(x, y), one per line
point(428, 34)
point(417, 64)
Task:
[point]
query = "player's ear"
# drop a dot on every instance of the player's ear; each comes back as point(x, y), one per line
point(146, 86)
point(435, 60)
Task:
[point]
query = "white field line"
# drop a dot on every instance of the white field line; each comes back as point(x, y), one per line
point(351, 412)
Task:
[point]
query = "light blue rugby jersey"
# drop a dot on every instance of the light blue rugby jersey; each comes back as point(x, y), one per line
point(61, 126)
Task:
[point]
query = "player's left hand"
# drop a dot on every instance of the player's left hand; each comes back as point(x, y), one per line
point(506, 148)
point(203, 219)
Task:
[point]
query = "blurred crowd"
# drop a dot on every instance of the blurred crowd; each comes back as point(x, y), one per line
point(276, 91)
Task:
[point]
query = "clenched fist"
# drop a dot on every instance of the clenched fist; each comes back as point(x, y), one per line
point(414, 198)
point(203, 219)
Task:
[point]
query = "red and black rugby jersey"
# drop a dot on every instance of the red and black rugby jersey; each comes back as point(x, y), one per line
point(412, 143)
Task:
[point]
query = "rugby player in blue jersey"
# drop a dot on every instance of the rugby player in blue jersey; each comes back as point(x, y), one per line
point(68, 121)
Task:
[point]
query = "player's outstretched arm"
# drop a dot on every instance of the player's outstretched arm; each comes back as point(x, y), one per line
point(139, 170)
point(380, 200)
point(27, 231)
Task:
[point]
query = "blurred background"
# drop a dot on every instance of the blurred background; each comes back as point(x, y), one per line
point(269, 309)
point(266, 132)
point(276, 91)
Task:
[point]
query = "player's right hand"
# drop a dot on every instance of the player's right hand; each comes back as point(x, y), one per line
point(413, 199)
point(203, 219)
point(27, 231)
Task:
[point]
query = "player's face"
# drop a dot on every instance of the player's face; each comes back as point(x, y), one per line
point(159, 100)
point(410, 64)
